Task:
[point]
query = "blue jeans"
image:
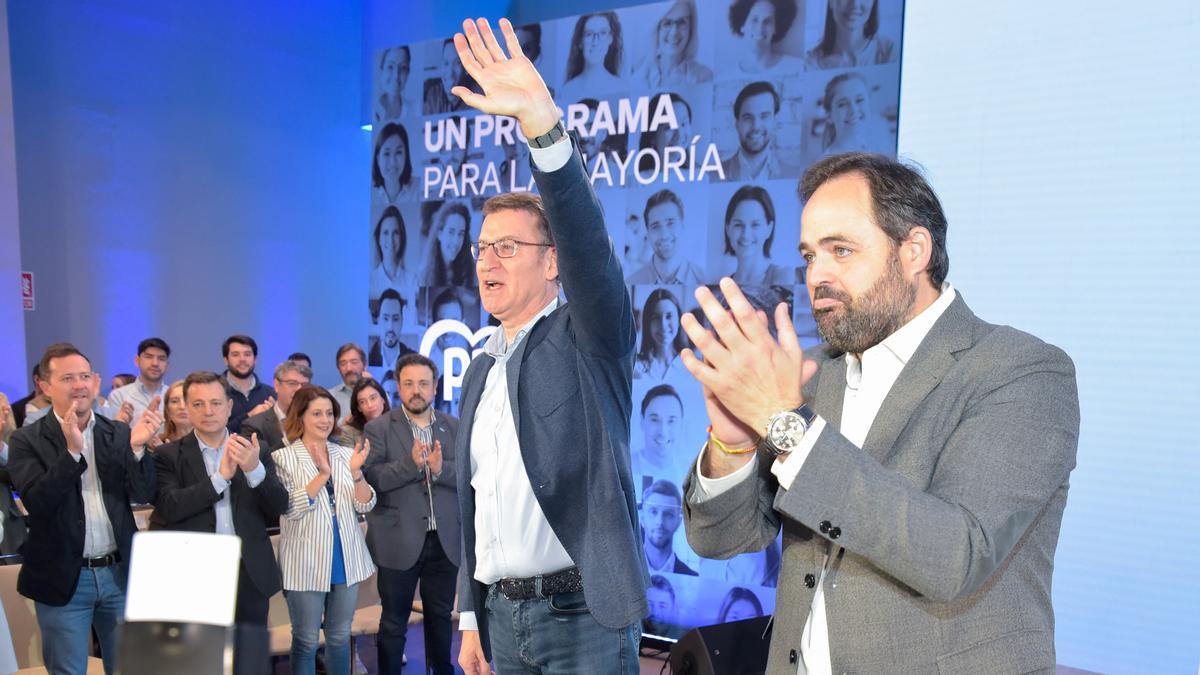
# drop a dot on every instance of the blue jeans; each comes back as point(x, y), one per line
point(66, 630)
point(306, 609)
point(557, 635)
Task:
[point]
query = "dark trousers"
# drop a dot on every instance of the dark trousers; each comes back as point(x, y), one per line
point(438, 577)
point(251, 649)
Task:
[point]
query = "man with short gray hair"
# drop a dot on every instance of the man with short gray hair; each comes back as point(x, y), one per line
point(268, 424)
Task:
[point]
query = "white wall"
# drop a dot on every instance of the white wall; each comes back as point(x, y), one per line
point(1062, 138)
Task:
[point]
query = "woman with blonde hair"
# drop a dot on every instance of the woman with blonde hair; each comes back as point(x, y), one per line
point(177, 424)
point(322, 551)
point(673, 57)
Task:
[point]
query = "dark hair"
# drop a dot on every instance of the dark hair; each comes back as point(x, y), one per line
point(241, 340)
point(535, 29)
point(350, 346)
point(522, 201)
point(657, 199)
point(391, 212)
point(357, 419)
point(617, 144)
point(205, 377)
point(387, 294)
point(402, 48)
point(754, 89)
point(153, 342)
point(391, 129)
point(660, 582)
point(659, 391)
point(663, 487)
point(785, 14)
point(415, 360)
point(58, 350)
point(736, 594)
point(300, 356)
point(293, 424)
point(461, 270)
point(612, 60)
point(656, 296)
point(829, 37)
point(125, 378)
point(649, 137)
point(901, 199)
point(446, 297)
point(758, 194)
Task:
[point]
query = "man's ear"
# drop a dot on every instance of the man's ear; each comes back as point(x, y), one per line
point(551, 263)
point(916, 251)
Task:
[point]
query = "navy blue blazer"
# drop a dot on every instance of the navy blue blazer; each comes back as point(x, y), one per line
point(571, 381)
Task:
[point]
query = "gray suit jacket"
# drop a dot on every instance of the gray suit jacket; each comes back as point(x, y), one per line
point(949, 514)
point(396, 527)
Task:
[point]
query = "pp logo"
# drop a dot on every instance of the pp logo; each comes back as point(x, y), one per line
point(455, 359)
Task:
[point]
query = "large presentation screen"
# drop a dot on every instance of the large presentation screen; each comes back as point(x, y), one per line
point(696, 121)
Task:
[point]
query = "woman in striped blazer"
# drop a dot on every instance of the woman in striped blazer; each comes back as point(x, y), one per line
point(322, 552)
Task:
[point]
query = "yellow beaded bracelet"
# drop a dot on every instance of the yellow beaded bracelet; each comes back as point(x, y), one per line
point(725, 448)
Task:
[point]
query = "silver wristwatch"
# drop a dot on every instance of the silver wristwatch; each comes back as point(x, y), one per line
point(785, 429)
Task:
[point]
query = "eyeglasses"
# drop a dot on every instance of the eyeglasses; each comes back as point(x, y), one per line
point(593, 35)
point(680, 23)
point(504, 248)
point(293, 384)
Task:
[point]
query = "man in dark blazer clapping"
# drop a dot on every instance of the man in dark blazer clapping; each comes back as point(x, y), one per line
point(214, 481)
point(77, 472)
point(413, 532)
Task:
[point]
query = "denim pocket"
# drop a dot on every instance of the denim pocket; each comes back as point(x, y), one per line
point(567, 604)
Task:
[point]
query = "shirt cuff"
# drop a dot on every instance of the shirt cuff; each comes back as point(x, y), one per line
point(786, 471)
point(467, 621)
point(218, 482)
point(552, 158)
point(708, 488)
point(139, 453)
point(256, 476)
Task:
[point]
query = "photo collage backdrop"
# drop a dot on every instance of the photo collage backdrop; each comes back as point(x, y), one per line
point(696, 122)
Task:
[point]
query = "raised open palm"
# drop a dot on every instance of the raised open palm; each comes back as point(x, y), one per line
point(511, 85)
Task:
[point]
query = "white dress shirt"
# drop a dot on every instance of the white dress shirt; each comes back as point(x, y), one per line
point(515, 541)
point(98, 537)
point(868, 381)
point(212, 462)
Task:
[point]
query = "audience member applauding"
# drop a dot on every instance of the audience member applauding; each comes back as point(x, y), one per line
point(127, 403)
point(77, 473)
point(215, 481)
point(268, 424)
point(322, 551)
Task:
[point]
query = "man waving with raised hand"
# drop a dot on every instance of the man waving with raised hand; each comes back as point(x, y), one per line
point(555, 579)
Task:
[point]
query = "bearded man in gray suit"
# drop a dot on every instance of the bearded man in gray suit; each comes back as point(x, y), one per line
point(917, 462)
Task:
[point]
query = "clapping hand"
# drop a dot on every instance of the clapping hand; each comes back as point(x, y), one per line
point(143, 432)
point(511, 85)
point(362, 448)
point(244, 451)
point(434, 459)
point(747, 374)
point(5, 414)
point(71, 430)
point(262, 407)
point(125, 414)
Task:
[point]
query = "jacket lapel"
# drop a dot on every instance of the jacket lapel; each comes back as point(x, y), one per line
point(472, 392)
point(831, 390)
point(934, 357)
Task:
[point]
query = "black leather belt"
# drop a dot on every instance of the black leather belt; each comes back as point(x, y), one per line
point(542, 586)
point(103, 561)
